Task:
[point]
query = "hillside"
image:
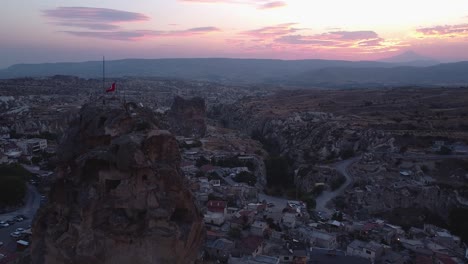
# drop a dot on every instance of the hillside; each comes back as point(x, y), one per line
point(302, 73)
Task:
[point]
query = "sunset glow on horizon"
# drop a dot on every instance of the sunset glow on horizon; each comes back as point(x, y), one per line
point(72, 30)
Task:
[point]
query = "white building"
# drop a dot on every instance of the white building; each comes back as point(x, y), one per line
point(258, 227)
point(33, 145)
point(370, 251)
point(289, 220)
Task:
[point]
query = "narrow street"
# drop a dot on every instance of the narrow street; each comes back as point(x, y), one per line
point(327, 196)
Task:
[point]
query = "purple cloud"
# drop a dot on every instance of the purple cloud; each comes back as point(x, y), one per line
point(354, 35)
point(139, 34)
point(303, 40)
point(271, 5)
point(272, 31)
point(91, 17)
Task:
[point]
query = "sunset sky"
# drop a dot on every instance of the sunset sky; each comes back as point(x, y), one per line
point(72, 30)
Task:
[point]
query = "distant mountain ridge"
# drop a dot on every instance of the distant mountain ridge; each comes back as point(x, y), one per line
point(210, 69)
point(324, 73)
point(411, 58)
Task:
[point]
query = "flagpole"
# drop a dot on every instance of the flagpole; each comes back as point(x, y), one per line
point(103, 73)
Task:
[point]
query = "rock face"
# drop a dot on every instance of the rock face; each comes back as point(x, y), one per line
point(187, 117)
point(303, 136)
point(118, 196)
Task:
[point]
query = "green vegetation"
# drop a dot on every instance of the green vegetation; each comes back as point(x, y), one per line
point(347, 153)
point(457, 223)
point(338, 182)
point(338, 216)
point(246, 177)
point(277, 169)
point(318, 190)
point(445, 151)
point(232, 162)
point(13, 179)
point(340, 202)
point(234, 233)
point(202, 161)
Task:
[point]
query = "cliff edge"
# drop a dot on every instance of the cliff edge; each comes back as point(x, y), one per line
point(118, 196)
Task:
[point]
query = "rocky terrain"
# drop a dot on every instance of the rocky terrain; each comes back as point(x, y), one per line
point(304, 138)
point(118, 196)
point(187, 117)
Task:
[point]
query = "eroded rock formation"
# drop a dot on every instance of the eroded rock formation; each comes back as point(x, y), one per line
point(118, 196)
point(187, 117)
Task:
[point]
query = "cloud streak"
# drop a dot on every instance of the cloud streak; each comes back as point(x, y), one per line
point(288, 37)
point(105, 23)
point(259, 4)
point(91, 17)
point(135, 35)
point(272, 31)
point(271, 5)
point(446, 31)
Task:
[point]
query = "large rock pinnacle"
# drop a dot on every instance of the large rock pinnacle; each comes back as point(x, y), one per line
point(118, 196)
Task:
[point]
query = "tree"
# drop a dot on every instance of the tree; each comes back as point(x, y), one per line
point(246, 177)
point(234, 233)
point(445, 150)
point(338, 216)
point(13, 179)
point(277, 169)
point(338, 182)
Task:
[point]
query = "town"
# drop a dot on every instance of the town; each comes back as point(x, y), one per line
point(359, 206)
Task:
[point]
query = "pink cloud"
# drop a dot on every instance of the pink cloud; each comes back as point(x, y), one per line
point(272, 31)
point(260, 4)
point(271, 5)
point(292, 39)
point(445, 31)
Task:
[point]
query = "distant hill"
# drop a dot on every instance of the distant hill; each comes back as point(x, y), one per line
point(411, 58)
point(449, 74)
point(304, 73)
point(230, 70)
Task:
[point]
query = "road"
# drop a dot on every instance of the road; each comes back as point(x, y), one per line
point(327, 196)
point(32, 204)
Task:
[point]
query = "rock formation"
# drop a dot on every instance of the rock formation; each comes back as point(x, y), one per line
point(118, 196)
point(187, 117)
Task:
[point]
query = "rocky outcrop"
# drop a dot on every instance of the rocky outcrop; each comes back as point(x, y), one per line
point(187, 117)
point(118, 196)
point(304, 138)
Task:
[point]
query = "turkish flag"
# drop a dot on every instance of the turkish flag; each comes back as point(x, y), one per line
point(111, 89)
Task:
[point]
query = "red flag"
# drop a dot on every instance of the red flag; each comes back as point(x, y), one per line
point(111, 89)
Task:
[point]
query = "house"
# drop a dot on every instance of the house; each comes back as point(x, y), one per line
point(322, 239)
point(33, 145)
point(251, 245)
point(258, 228)
point(289, 220)
point(242, 218)
point(411, 244)
point(290, 256)
point(325, 256)
point(315, 237)
point(276, 236)
point(216, 212)
point(219, 249)
point(258, 259)
point(370, 250)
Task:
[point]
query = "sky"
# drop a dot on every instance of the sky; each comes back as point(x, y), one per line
point(71, 30)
